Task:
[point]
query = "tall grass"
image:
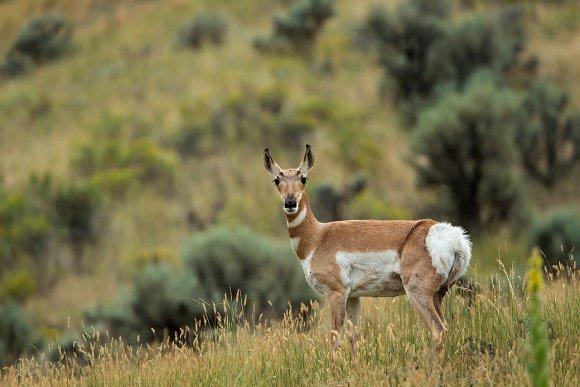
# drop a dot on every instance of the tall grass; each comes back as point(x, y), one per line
point(486, 345)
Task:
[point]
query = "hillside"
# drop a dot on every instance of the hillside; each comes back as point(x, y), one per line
point(170, 139)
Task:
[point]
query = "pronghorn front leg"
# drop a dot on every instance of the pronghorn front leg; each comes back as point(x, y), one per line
point(353, 314)
point(337, 309)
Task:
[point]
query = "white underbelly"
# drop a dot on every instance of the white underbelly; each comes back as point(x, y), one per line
point(371, 274)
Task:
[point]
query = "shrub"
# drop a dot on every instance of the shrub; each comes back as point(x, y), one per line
point(24, 232)
point(217, 263)
point(297, 30)
point(203, 28)
point(16, 334)
point(329, 202)
point(229, 260)
point(424, 52)
point(42, 39)
point(557, 235)
point(548, 140)
point(76, 206)
point(17, 285)
point(477, 43)
point(404, 39)
point(463, 148)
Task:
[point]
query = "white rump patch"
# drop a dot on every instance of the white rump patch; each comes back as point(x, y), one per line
point(299, 219)
point(447, 245)
point(373, 274)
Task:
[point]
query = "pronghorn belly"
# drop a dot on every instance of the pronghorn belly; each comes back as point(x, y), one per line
point(371, 274)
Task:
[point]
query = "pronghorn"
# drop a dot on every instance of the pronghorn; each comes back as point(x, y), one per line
point(349, 259)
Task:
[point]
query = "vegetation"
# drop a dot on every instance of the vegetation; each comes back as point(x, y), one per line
point(297, 31)
point(113, 155)
point(203, 28)
point(465, 143)
point(487, 341)
point(557, 235)
point(538, 348)
point(42, 39)
point(215, 264)
point(548, 140)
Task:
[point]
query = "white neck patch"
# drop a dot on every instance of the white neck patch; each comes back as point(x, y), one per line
point(299, 219)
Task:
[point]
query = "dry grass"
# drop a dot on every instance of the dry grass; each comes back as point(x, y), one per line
point(486, 346)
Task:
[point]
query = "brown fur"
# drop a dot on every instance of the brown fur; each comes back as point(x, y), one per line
point(418, 278)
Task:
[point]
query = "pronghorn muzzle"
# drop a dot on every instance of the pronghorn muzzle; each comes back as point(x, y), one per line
point(290, 204)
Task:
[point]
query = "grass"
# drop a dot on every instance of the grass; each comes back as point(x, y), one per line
point(124, 64)
point(486, 345)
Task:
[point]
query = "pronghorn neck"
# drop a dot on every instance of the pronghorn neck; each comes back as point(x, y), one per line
point(303, 228)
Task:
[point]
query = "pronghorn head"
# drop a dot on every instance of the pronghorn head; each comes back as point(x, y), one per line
point(290, 182)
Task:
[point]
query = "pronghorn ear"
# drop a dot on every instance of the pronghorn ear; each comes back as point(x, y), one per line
point(308, 161)
point(271, 166)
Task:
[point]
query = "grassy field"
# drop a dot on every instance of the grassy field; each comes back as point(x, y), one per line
point(487, 345)
point(124, 66)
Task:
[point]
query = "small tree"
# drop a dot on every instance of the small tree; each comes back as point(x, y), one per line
point(462, 147)
point(547, 139)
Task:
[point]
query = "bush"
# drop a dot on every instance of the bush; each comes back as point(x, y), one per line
point(328, 202)
point(217, 263)
point(16, 334)
point(423, 52)
point(404, 39)
point(297, 31)
point(17, 285)
point(548, 140)
point(463, 147)
point(229, 260)
point(42, 39)
point(557, 235)
point(24, 232)
point(76, 206)
point(203, 28)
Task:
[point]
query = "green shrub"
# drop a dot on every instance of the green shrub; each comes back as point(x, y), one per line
point(557, 235)
point(42, 39)
point(24, 232)
point(297, 31)
point(329, 202)
point(203, 28)
point(404, 39)
point(547, 139)
point(75, 208)
point(17, 285)
point(424, 53)
point(162, 298)
point(463, 148)
point(16, 334)
point(229, 260)
point(217, 263)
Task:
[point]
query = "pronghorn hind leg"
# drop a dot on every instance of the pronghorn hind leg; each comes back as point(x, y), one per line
point(337, 309)
point(422, 301)
point(437, 298)
point(353, 315)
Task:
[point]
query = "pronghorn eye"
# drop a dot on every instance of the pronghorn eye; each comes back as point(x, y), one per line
point(276, 181)
point(303, 179)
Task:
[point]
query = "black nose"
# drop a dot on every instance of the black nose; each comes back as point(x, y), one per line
point(290, 204)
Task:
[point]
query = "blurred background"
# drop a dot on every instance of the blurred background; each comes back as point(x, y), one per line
point(131, 137)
